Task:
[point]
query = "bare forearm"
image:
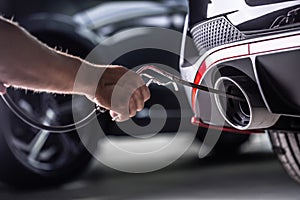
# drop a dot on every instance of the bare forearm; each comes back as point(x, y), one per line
point(27, 63)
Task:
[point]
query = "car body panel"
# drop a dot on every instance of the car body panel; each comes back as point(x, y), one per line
point(252, 55)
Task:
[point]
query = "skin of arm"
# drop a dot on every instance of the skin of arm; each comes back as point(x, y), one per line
point(27, 63)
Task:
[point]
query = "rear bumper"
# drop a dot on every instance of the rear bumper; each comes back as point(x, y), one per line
point(273, 62)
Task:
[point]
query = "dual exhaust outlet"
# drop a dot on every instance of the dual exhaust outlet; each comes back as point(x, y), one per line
point(248, 113)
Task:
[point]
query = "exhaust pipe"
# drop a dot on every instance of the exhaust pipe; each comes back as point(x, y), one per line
point(249, 113)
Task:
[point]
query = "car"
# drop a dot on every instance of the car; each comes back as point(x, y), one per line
point(47, 158)
point(249, 49)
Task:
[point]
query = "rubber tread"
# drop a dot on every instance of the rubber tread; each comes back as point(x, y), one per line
point(287, 147)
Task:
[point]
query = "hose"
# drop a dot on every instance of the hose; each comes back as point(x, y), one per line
point(173, 80)
point(53, 129)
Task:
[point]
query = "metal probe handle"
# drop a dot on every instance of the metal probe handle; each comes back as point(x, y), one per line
point(174, 80)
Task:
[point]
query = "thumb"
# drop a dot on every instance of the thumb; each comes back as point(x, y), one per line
point(114, 115)
point(2, 88)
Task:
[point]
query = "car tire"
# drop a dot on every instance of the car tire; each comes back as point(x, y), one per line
point(287, 147)
point(32, 158)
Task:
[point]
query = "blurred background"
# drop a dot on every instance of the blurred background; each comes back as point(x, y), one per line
point(41, 165)
point(253, 174)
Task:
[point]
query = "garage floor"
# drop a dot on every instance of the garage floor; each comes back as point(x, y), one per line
point(255, 174)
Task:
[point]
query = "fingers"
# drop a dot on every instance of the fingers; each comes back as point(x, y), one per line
point(136, 103)
point(126, 112)
point(117, 92)
point(114, 115)
point(145, 92)
point(139, 99)
point(132, 107)
point(118, 117)
point(2, 88)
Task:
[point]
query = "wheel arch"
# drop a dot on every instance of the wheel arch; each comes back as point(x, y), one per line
point(60, 25)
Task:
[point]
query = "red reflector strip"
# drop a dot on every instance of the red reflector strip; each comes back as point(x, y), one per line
point(197, 80)
point(196, 121)
point(264, 46)
point(215, 57)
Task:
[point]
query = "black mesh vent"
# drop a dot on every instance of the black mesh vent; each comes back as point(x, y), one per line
point(214, 33)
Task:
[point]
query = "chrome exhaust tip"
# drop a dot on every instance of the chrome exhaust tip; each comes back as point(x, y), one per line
point(248, 113)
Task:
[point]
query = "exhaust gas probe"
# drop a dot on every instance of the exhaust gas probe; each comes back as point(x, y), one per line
point(172, 80)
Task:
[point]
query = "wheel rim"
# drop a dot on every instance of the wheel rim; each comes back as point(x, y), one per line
point(41, 150)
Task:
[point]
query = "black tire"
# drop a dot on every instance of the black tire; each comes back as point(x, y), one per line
point(15, 169)
point(61, 158)
point(287, 147)
point(228, 143)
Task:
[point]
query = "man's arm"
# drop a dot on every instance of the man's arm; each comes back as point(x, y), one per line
point(27, 63)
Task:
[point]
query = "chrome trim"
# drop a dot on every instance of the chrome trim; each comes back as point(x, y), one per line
point(259, 116)
point(244, 42)
point(222, 111)
point(183, 41)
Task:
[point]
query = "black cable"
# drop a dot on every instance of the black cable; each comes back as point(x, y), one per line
point(94, 114)
point(208, 89)
point(53, 129)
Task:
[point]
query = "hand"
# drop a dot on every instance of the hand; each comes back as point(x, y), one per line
point(122, 91)
point(2, 88)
